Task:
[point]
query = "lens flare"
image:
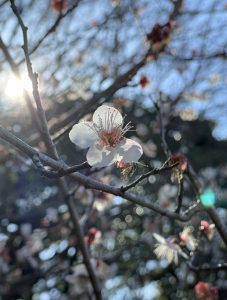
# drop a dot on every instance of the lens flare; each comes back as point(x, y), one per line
point(208, 197)
point(14, 87)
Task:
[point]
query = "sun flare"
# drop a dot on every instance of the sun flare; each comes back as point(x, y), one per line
point(14, 87)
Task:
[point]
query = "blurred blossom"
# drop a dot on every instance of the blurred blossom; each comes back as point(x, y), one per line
point(214, 79)
point(59, 5)
point(177, 172)
point(93, 236)
point(205, 292)
point(144, 81)
point(35, 241)
point(188, 115)
point(168, 250)
point(187, 239)
point(115, 3)
point(207, 229)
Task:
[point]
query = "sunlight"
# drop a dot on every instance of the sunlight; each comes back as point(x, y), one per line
point(14, 87)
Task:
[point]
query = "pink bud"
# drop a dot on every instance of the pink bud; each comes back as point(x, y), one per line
point(58, 5)
point(177, 157)
point(144, 81)
point(120, 164)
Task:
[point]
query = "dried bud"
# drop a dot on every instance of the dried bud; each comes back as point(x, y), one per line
point(180, 168)
point(144, 81)
point(160, 32)
point(120, 164)
point(128, 169)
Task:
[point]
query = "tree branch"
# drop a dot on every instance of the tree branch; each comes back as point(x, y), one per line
point(56, 174)
point(206, 267)
point(90, 183)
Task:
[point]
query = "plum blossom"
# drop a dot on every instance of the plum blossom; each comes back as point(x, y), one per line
point(160, 32)
point(177, 172)
point(205, 292)
point(187, 239)
point(168, 250)
point(207, 229)
point(93, 236)
point(59, 5)
point(105, 137)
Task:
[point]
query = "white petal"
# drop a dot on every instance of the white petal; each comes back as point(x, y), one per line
point(106, 114)
point(100, 156)
point(190, 244)
point(159, 238)
point(182, 253)
point(83, 135)
point(128, 151)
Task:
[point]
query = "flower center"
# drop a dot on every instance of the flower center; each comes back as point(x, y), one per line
point(110, 134)
point(110, 139)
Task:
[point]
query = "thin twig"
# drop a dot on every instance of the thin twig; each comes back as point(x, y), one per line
point(51, 29)
point(206, 267)
point(163, 131)
point(180, 195)
point(87, 214)
point(153, 172)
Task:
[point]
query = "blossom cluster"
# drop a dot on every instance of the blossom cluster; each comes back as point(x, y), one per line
point(160, 32)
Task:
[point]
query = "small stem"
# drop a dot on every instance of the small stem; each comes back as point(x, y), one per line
point(153, 172)
point(180, 195)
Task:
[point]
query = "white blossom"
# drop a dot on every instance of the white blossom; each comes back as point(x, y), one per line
point(105, 137)
point(187, 238)
point(168, 249)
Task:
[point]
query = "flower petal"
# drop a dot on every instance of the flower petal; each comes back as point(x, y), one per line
point(83, 135)
point(128, 151)
point(100, 156)
point(105, 115)
point(159, 238)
